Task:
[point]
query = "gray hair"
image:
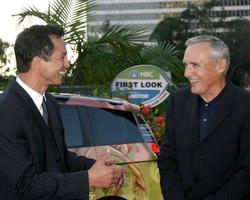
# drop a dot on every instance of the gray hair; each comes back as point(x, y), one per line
point(219, 48)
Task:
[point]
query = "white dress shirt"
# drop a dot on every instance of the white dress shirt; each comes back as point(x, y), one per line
point(35, 96)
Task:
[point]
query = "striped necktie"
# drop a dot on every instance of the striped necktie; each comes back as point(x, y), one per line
point(45, 111)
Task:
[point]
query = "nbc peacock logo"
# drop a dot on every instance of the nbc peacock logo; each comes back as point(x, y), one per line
point(133, 74)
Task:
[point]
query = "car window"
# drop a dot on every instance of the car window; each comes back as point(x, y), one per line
point(72, 126)
point(113, 126)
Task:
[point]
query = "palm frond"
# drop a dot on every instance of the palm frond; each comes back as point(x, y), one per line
point(124, 33)
point(163, 55)
point(31, 12)
point(161, 51)
point(101, 58)
point(60, 9)
point(76, 23)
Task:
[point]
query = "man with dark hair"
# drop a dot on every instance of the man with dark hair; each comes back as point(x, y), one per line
point(34, 161)
point(205, 153)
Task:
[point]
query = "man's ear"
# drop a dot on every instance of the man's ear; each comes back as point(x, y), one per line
point(221, 65)
point(35, 63)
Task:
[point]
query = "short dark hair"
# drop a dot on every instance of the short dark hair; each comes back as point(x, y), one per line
point(35, 41)
point(241, 75)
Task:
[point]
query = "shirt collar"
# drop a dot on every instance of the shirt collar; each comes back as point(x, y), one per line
point(216, 100)
point(35, 96)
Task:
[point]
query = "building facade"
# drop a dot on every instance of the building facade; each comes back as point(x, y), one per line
point(143, 13)
point(232, 9)
point(148, 13)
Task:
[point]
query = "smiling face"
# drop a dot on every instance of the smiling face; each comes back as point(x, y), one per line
point(206, 75)
point(53, 70)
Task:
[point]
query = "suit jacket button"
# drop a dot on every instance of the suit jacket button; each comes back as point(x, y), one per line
point(196, 180)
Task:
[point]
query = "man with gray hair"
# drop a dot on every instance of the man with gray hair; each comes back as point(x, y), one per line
point(205, 153)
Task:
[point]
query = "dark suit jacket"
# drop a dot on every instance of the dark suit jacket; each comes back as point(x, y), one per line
point(216, 168)
point(28, 169)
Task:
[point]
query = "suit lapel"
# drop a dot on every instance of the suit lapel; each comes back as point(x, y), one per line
point(36, 124)
point(38, 129)
point(55, 123)
point(28, 103)
point(193, 121)
point(224, 109)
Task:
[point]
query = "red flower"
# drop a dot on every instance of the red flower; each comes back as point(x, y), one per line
point(160, 120)
point(154, 119)
point(145, 109)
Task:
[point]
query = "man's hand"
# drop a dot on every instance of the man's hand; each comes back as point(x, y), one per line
point(104, 174)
